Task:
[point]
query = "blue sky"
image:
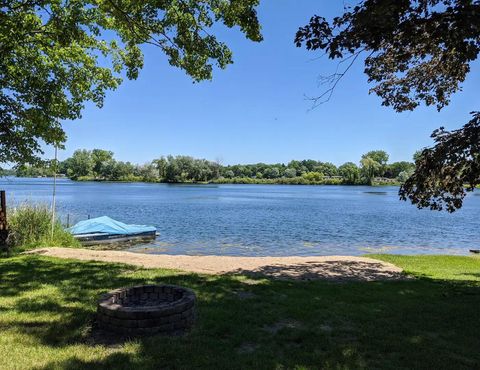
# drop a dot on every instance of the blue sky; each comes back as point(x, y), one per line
point(255, 110)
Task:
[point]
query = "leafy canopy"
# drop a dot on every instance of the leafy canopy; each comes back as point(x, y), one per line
point(379, 156)
point(416, 51)
point(370, 168)
point(443, 172)
point(59, 54)
point(350, 172)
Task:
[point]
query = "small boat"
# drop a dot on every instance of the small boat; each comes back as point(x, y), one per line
point(476, 251)
point(105, 230)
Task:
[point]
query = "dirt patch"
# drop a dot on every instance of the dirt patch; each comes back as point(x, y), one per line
point(334, 268)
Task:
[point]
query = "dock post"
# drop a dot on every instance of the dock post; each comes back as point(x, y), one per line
point(3, 218)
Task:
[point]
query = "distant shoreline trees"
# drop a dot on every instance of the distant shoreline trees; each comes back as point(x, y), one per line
point(100, 165)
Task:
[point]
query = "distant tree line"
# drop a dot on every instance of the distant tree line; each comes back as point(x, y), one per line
point(100, 165)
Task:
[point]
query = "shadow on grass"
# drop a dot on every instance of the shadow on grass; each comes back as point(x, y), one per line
point(253, 322)
point(341, 270)
point(471, 276)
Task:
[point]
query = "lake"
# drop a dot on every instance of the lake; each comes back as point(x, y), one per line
point(263, 220)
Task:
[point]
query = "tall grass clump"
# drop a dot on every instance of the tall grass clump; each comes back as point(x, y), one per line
point(30, 226)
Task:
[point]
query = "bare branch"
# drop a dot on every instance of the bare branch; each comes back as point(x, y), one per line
point(333, 80)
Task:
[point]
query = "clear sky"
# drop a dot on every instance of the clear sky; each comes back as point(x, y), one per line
point(255, 110)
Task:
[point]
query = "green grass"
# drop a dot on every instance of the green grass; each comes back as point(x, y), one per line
point(47, 307)
point(437, 267)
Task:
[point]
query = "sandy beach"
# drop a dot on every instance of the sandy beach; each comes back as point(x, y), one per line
point(336, 268)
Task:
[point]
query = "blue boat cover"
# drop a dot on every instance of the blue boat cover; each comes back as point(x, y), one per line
point(108, 225)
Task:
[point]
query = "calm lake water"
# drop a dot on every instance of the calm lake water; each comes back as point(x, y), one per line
point(263, 220)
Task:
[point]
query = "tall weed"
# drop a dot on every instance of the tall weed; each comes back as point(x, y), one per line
point(30, 226)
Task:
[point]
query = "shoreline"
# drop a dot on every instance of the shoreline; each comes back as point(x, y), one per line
point(333, 268)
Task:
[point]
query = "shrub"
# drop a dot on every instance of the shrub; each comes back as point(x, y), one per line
point(313, 177)
point(30, 226)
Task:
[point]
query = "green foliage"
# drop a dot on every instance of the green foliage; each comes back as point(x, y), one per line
point(417, 50)
point(271, 173)
point(290, 172)
point(349, 172)
point(444, 173)
point(187, 169)
point(417, 155)
point(379, 156)
point(313, 176)
point(7, 172)
point(370, 169)
point(394, 169)
point(403, 176)
point(57, 55)
point(298, 180)
point(30, 226)
point(326, 168)
point(80, 164)
point(26, 170)
point(100, 165)
point(100, 158)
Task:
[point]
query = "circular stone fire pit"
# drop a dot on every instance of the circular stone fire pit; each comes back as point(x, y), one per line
point(147, 309)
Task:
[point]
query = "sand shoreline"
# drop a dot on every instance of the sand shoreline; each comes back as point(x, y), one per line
point(338, 268)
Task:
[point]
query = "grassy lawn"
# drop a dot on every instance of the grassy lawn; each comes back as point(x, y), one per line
point(47, 308)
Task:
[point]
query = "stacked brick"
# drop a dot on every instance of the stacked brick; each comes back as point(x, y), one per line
point(147, 309)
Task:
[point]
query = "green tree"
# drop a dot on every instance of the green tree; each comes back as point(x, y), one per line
point(350, 172)
point(290, 173)
point(43, 169)
point(417, 155)
point(404, 175)
point(379, 156)
point(100, 158)
point(271, 173)
point(80, 164)
point(396, 168)
point(416, 51)
point(148, 172)
point(247, 171)
point(297, 165)
point(443, 172)
point(58, 54)
point(123, 171)
point(161, 166)
point(327, 168)
point(370, 169)
point(309, 164)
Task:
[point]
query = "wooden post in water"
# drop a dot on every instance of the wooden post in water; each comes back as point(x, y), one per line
point(54, 191)
point(3, 218)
